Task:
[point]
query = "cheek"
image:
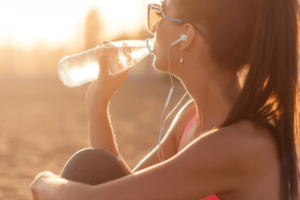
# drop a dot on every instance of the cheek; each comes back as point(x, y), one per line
point(165, 36)
point(160, 61)
point(161, 48)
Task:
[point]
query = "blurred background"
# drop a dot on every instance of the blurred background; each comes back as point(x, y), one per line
point(42, 122)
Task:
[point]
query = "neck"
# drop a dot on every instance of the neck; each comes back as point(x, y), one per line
point(214, 96)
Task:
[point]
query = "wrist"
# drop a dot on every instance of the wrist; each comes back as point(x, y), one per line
point(98, 95)
point(98, 102)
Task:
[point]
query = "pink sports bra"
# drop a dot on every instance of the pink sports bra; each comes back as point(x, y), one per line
point(213, 197)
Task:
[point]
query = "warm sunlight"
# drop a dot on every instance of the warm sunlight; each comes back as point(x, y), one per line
point(57, 21)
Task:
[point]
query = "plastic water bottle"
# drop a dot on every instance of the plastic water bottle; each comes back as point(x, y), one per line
point(82, 68)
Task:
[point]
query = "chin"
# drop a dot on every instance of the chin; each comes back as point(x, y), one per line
point(155, 64)
point(159, 66)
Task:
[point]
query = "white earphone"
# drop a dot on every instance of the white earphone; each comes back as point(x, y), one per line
point(182, 38)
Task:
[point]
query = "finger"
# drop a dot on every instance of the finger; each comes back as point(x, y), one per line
point(104, 42)
point(127, 53)
point(103, 63)
point(103, 60)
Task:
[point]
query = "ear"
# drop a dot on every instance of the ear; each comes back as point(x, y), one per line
point(189, 30)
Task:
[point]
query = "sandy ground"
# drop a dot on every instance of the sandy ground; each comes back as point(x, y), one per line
point(42, 123)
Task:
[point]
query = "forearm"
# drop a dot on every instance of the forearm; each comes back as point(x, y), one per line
point(100, 130)
point(48, 186)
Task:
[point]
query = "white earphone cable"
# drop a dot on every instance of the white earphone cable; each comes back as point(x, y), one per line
point(162, 127)
point(166, 105)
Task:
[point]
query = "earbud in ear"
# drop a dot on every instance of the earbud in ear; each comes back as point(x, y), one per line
point(182, 38)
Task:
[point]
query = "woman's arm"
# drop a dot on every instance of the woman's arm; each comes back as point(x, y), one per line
point(218, 161)
point(97, 100)
point(101, 134)
point(100, 130)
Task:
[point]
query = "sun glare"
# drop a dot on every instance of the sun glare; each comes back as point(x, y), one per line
point(56, 21)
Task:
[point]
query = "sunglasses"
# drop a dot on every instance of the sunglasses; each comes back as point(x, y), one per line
point(156, 14)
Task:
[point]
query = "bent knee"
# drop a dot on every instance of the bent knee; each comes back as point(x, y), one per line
point(93, 166)
point(94, 152)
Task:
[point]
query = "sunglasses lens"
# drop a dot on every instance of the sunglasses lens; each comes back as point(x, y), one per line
point(154, 17)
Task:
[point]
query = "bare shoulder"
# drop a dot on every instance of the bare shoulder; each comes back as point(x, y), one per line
point(263, 139)
point(248, 143)
point(255, 135)
point(238, 160)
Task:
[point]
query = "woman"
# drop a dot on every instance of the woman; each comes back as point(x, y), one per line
point(243, 140)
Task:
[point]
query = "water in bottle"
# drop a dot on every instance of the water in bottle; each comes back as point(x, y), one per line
point(82, 68)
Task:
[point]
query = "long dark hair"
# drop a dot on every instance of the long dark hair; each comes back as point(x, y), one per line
point(261, 35)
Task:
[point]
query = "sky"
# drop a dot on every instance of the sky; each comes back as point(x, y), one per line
point(25, 22)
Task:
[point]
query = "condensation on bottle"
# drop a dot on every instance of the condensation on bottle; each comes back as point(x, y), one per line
point(82, 68)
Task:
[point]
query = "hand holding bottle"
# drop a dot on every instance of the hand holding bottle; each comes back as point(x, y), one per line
point(83, 67)
point(98, 97)
point(106, 85)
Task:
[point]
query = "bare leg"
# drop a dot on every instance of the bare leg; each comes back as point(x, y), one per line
point(93, 166)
